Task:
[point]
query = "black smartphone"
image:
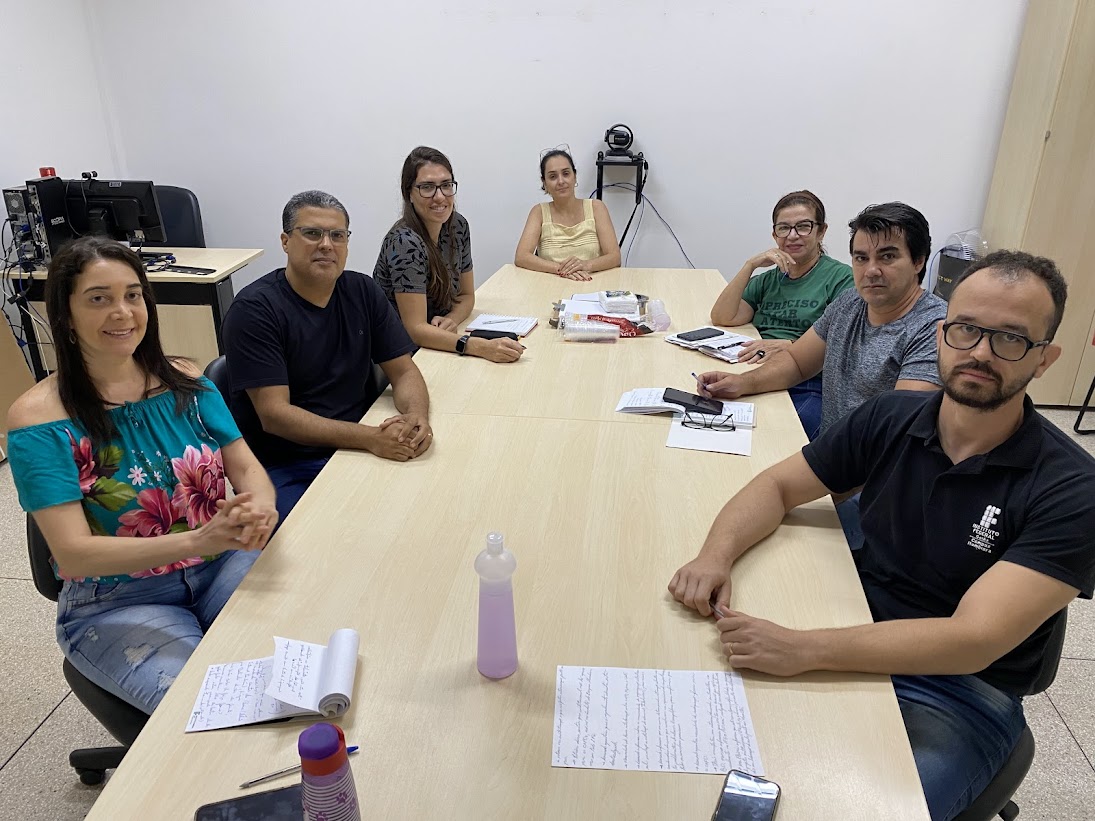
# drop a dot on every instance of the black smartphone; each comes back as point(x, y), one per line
point(698, 334)
point(746, 797)
point(281, 804)
point(483, 334)
point(692, 402)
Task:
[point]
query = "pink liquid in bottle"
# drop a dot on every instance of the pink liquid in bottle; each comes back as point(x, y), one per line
point(497, 657)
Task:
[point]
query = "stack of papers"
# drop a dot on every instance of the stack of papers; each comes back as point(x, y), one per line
point(520, 325)
point(649, 400)
point(299, 679)
point(583, 305)
point(722, 346)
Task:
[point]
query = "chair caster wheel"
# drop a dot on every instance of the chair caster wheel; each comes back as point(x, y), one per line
point(91, 777)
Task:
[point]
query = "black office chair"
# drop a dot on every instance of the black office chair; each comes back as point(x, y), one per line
point(217, 373)
point(995, 800)
point(121, 719)
point(182, 218)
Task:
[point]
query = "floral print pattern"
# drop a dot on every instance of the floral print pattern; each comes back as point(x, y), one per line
point(185, 501)
point(201, 484)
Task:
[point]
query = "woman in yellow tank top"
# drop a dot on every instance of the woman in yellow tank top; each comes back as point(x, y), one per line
point(568, 237)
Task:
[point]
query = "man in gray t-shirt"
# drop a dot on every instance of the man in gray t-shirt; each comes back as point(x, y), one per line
point(876, 338)
point(862, 359)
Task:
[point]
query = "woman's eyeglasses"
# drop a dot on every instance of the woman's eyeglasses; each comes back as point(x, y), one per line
point(803, 229)
point(428, 189)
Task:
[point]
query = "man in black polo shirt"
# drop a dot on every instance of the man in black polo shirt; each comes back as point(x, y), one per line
point(301, 343)
point(979, 518)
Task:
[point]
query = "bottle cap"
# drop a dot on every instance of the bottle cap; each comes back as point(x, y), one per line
point(495, 544)
point(322, 749)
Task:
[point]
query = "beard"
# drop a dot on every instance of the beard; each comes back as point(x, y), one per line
point(982, 398)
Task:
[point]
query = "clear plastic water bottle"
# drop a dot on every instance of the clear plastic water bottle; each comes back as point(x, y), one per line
point(497, 656)
point(327, 782)
point(656, 315)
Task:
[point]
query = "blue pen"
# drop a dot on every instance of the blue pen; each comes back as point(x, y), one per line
point(271, 776)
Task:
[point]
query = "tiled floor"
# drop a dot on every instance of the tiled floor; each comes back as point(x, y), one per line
point(42, 721)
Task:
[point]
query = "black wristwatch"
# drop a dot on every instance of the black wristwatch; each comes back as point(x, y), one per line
point(462, 344)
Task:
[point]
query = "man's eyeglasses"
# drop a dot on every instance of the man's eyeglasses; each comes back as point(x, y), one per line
point(1007, 345)
point(339, 236)
point(803, 229)
point(428, 189)
point(698, 421)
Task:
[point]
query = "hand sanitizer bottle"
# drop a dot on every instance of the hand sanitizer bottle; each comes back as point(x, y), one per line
point(497, 625)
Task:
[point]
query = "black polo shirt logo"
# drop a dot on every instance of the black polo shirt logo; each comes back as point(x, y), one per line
point(983, 537)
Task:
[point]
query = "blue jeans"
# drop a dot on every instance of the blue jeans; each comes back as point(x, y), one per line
point(962, 730)
point(807, 399)
point(133, 637)
point(291, 480)
point(848, 511)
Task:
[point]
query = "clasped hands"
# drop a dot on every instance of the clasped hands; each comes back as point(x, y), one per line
point(240, 523)
point(403, 437)
point(748, 642)
point(574, 268)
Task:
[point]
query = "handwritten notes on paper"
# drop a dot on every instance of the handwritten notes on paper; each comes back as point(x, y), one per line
point(612, 718)
point(299, 679)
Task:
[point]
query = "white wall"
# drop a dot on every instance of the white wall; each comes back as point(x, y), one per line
point(52, 110)
point(733, 103)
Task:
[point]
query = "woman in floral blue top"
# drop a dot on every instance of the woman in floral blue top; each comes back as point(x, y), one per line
point(121, 456)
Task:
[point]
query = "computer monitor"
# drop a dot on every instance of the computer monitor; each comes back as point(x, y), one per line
point(126, 210)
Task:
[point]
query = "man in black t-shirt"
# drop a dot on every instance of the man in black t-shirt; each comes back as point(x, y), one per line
point(978, 517)
point(301, 343)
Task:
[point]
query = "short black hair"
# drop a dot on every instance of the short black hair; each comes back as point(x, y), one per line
point(309, 199)
point(1015, 265)
point(896, 216)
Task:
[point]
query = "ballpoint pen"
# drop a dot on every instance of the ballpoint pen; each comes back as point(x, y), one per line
point(271, 776)
point(496, 321)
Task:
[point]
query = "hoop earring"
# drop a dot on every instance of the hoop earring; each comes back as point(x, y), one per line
point(72, 336)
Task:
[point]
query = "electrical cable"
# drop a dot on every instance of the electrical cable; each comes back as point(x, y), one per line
point(630, 186)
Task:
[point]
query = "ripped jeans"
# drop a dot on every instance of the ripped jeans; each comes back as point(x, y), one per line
point(133, 637)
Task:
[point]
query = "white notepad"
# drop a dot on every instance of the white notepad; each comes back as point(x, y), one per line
point(301, 678)
point(649, 400)
point(520, 325)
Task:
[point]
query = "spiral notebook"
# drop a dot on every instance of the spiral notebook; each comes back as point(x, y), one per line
point(300, 679)
point(520, 325)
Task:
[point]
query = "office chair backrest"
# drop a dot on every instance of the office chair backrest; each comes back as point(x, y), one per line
point(217, 373)
point(182, 218)
point(1052, 659)
point(40, 568)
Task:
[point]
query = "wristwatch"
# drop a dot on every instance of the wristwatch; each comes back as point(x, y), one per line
point(462, 344)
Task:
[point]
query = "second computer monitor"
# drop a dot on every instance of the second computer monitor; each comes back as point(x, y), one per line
point(126, 210)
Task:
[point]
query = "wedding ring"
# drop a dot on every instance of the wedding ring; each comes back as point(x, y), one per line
point(760, 353)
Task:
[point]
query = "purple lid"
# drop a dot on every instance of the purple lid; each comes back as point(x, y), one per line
point(319, 741)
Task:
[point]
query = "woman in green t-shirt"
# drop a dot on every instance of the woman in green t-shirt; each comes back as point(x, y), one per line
point(784, 301)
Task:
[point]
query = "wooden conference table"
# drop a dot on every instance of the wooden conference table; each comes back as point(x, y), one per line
point(599, 514)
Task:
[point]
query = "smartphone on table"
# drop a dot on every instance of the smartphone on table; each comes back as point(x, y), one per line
point(699, 333)
point(282, 804)
point(746, 797)
point(693, 402)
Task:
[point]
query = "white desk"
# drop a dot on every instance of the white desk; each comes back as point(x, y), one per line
point(190, 306)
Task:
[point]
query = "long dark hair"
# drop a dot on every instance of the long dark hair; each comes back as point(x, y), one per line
point(440, 285)
point(78, 392)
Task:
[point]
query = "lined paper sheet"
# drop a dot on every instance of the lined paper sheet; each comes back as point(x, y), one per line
point(614, 718)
